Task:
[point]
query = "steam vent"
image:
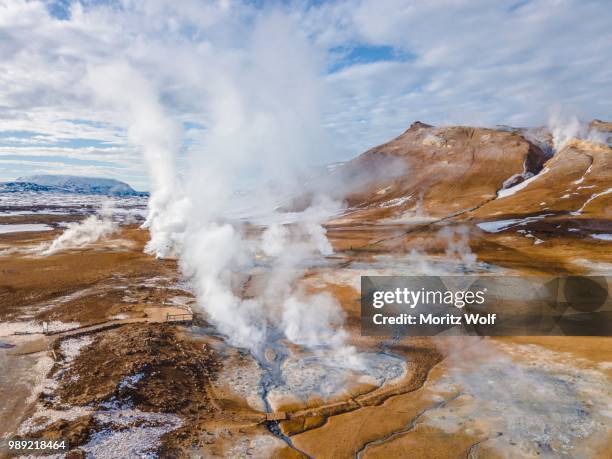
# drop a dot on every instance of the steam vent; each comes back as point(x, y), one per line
point(294, 230)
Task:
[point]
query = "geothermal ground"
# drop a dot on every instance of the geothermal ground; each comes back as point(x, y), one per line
point(128, 365)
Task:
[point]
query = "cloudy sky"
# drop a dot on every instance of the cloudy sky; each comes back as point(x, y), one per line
point(328, 78)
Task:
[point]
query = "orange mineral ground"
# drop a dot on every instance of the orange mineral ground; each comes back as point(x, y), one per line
point(128, 357)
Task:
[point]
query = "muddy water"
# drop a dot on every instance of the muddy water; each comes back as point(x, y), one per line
point(514, 400)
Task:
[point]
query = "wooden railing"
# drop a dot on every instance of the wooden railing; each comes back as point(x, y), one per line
point(179, 317)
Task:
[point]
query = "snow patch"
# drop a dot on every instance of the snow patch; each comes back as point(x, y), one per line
point(602, 237)
point(504, 193)
point(71, 347)
point(502, 225)
point(395, 202)
point(31, 327)
point(46, 416)
point(120, 317)
point(23, 228)
point(588, 201)
point(41, 382)
point(129, 433)
point(131, 381)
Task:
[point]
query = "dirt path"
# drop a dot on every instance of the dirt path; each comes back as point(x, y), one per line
point(161, 314)
point(21, 369)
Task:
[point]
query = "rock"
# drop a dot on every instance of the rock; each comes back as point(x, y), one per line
point(569, 180)
point(438, 172)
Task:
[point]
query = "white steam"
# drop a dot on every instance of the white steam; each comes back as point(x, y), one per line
point(565, 128)
point(273, 240)
point(310, 320)
point(120, 85)
point(82, 234)
point(306, 319)
point(263, 124)
point(457, 241)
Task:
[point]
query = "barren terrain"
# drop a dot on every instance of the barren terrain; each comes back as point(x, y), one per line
point(129, 364)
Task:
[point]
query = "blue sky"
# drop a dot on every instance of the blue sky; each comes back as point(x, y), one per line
point(326, 79)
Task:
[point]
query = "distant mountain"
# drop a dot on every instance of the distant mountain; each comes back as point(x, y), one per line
point(70, 184)
point(463, 172)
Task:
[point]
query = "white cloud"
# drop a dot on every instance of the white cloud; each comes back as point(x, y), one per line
point(470, 62)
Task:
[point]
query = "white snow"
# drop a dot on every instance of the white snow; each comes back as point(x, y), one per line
point(30, 327)
point(129, 433)
point(65, 202)
point(593, 196)
point(504, 193)
point(580, 180)
point(40, 381)
point(180, 301)
point(501, 225)
point(333, 166)
point(395, 202)
point(86, 185)
point(29, 227)
point(18, 213)
point(602, 237)
point(47, 416)
point(71, 347)
point(130, 381)
point(120, 316)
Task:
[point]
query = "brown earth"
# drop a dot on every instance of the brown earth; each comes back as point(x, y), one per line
point(96, 280)
point(181, 372)
point(449, 185)
point(469, 164)
point(573, 175)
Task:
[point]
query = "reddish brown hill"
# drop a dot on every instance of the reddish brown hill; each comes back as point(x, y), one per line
point(446, 171)
point(524, 206)
point(576, 180)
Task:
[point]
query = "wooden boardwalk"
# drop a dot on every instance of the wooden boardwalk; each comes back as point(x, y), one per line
point(161, 314)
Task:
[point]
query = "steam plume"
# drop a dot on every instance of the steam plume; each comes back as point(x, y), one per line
point(458, 244)
point(564, 128)
point(81, 234)
point(120, 85)
point(263, 125)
